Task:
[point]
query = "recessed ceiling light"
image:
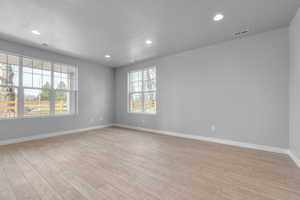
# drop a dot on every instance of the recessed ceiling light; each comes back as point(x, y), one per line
point(107, 56)
point(218, 17)
point(35, 32)
point(148, 42)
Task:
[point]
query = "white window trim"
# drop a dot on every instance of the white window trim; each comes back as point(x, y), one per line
point(20, 89)
point(142, 92)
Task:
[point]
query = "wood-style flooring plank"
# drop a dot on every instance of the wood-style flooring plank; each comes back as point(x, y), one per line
point(115, 163)
point(22, 188)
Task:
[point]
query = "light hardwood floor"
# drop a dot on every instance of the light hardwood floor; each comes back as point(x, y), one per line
point(115, 163)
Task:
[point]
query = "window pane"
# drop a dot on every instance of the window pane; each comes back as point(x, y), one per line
point(37, 80)
point(72, 70)
point(37, 71)
point(37, 64)
point(61, 84)
point(62, 102)
point(27, 79)
point(136, 86)
point(73, 84)
point(47, 67)
point(136, 103)
point(149, 85)
point(57, 69)
point(27, 70)
point(15, 71)
point(3, 74)
point(47, 82)
point(150, 73)
point(64, 77)
point(150, 102)
point(56, 82)
point(9, 74)
point(65, 84)
point(38, 75)
point(27, 62)
point(135, 76)
point(68, 74)
point(8, 102)
point(65, 69)
point(36, 102)
point(46, 72)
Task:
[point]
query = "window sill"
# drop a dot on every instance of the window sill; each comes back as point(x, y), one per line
point(142, 113)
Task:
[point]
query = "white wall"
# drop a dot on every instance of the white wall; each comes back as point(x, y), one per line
point(241, 86)
point(96, 86)
point(295, 85)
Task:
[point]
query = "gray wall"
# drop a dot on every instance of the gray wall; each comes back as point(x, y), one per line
point(241, 86)
point(96, 86)
point(295, 85)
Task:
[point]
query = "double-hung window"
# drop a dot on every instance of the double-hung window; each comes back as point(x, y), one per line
point(64, 88)
point(9, 85)
point(32, 87)
point(142, 91)
point(36, 87)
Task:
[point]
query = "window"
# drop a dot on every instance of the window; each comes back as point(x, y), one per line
point(142, 91)
point(64, 87)
point(33, 87)
point(9, 82)
point(37, 86)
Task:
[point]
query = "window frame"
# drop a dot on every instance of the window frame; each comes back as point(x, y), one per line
point(142, 92)
point(21, 90)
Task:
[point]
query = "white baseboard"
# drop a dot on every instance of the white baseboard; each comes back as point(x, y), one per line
point(195, 137)
point(217, 140)
point(294, 158)
point(37, 137)
point(210, 139)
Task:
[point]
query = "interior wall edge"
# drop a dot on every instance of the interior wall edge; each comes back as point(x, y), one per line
point(294, 85)
point(294, 157)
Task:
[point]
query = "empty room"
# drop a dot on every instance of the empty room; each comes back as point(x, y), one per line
point(150, 100)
